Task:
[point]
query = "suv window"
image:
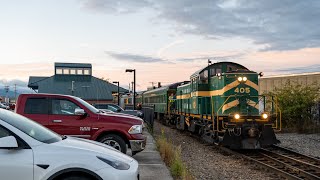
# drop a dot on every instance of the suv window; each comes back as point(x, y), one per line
point(63, 107)
point(4, 132)
point(36, 106)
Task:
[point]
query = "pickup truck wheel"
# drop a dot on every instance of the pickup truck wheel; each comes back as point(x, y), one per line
point(114, 141)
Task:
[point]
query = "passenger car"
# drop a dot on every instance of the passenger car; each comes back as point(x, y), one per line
point(3, 106)
point(118, 109)
point(30, 151)
point(69, 115)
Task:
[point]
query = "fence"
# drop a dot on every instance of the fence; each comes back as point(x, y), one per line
point(148, 113)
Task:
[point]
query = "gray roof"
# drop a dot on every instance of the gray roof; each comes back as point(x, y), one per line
point(86, 87)
point(33, 81)
point(73, 65)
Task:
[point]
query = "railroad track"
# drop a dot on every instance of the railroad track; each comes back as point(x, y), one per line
point(286, 163)
point(280, 161)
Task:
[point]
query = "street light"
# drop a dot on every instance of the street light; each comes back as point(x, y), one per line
point(134, 87)
point(117, 82)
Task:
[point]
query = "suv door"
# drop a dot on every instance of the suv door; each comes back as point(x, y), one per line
point(64, 121)
point(15, 163)
point(37, 110)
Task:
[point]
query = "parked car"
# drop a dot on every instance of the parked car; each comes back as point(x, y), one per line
point(3, 106)
point(30, 151)
point(69, 115)
point(12, 106)
point(118, 109)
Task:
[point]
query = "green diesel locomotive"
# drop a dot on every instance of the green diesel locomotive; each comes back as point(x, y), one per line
point(221, 102)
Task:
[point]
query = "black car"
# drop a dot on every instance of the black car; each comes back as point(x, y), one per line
point(117, 109)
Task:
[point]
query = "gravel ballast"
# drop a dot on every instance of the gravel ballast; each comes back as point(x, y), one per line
point(209, 162)
point(308, 144)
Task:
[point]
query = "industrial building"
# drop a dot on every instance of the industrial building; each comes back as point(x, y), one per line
point(268, 84)
point(76, 79)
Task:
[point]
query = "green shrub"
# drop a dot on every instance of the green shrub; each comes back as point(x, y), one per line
point(296, 102)
point(171, 155)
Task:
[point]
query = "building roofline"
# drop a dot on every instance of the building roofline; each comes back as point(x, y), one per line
point(290, 75)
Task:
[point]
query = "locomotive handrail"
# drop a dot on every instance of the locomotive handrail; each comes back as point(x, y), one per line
point(217, 129)
point(280, 118)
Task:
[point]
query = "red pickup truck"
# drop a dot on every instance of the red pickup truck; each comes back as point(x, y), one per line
point(72, 116)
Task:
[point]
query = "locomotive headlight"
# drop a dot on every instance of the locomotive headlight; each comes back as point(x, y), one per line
point(240, 79)
point(264, 116)
point(237, 116)
point(244, 78)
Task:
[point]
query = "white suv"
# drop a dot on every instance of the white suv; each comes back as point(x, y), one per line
point(30, 151)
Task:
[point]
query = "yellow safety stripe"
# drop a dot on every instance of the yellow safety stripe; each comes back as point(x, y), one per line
point(230, 105)
point(253, 104)
point(252, 84)
point(218, 92)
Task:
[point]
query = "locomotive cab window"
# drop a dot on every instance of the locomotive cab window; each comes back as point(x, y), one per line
point(212, 72)
point(218, 71)
point(204, 77)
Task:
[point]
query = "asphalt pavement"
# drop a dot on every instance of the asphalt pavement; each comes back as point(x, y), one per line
point(150, 163)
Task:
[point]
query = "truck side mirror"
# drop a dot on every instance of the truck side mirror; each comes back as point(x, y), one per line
point(79, 112)
point(8, 142)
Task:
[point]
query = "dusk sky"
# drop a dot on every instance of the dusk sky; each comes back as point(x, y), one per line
point(163, 40)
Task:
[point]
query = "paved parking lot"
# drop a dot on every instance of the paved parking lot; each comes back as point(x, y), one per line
point(150, 162)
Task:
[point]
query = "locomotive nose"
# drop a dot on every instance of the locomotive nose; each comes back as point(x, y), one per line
point(252, 132)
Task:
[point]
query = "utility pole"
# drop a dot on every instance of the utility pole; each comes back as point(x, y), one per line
point(132, 86)
point(6, 88)
point(129, 88)
point(72, 88)
point(15, 92)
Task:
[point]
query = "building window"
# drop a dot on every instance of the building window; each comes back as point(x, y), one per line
point(79, 71)
point(86, 72)
point(72, 71)
point(58, 71)
point(66, 71)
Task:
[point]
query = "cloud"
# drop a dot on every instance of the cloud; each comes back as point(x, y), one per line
point(21, 86)
point(302, 69)
point(174, 43)
point(213, 58)
point(135, 57)
point(278, 25)
point(14, 82)
point(111, 6)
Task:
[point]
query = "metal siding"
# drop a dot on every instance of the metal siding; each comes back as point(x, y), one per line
point(86, 87)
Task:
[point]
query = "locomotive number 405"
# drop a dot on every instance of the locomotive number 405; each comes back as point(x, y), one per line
point(242, 90)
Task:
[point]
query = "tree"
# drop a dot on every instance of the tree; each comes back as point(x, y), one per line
point(296, 101)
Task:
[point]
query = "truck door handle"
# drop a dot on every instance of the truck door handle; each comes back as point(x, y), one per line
point(57, 121)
